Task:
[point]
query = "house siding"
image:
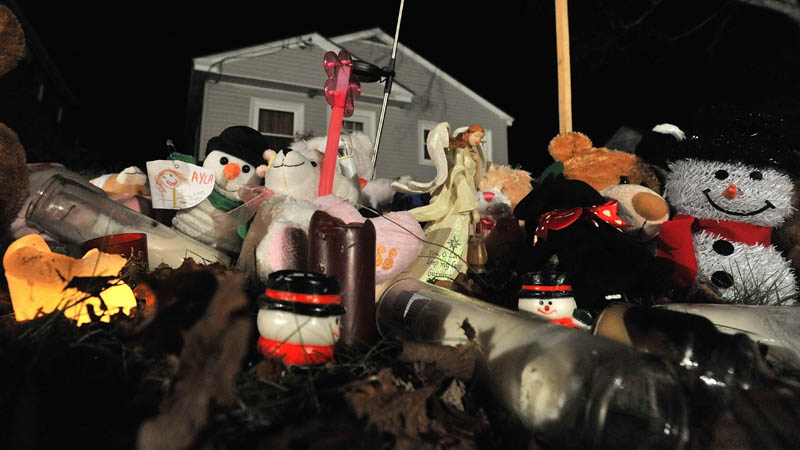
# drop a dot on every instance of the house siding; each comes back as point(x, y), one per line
point(435, 100)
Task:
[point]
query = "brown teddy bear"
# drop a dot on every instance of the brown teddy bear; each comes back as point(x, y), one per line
point(13, 172)
point(600, 167)
point(617, 175)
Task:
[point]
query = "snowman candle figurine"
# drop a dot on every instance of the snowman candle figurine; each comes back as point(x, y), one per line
point(233, 157)
point(299, 319)
point(548, 295)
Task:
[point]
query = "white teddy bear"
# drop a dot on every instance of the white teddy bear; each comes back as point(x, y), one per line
point(280, 231)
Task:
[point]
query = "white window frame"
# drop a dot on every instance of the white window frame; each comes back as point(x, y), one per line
point(259, 103)
point(366, 117)
point(487, 144)
point(423, 125)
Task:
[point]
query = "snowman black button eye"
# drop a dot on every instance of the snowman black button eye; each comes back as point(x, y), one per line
point(624, 180)
point(549, 303)
point(223, 160)
point(723, 247)
point(541, 302)
point(722, 279)
point(245, 168)
point(721, 174)
point(313, 164)
point(756, 175)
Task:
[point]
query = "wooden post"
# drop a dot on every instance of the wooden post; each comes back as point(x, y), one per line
point(564, 82)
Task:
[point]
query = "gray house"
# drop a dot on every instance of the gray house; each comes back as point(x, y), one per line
point(277, 89)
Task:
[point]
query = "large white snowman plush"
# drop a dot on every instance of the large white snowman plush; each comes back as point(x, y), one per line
point(727, 190)
point(233, 157)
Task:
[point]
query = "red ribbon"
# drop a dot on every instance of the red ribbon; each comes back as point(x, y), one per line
point(675, 242)
point(562, 218)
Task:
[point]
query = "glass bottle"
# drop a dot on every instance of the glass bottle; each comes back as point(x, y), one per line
point(572, 389)
point(75, 213)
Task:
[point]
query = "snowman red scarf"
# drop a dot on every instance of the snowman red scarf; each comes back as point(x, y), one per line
point(675, 242)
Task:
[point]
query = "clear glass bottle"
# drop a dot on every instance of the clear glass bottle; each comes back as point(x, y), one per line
point(75, 213)
point(572, 389)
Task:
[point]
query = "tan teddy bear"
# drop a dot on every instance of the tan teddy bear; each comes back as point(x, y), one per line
point(499, 192)
point(13, 172)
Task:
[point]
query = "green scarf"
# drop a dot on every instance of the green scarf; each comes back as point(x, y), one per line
point(223, 203)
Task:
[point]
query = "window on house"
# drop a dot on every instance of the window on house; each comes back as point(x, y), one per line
point(424, 128)
point(352, 125)
point(363, 120)
point(278, 121)
point(275, 122)
point(277, 126)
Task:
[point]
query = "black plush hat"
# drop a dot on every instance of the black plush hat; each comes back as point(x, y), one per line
point(242, 142)
point(726, 133)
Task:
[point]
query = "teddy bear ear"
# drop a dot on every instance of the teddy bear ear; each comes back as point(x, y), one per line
point(261, 170)
point(568, 145)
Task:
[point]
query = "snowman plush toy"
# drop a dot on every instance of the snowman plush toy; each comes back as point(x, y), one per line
point(728, 187)
point(233, 157)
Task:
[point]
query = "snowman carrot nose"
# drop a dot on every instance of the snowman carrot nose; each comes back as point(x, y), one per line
point(547, 307)
point(231, 170)
point(730, 192)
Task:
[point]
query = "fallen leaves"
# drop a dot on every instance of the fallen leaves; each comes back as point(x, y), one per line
point(428, 406)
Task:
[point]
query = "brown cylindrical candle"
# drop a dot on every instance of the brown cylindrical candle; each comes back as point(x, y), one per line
point(347, 251)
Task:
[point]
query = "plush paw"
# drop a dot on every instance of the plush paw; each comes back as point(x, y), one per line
point(398, 242)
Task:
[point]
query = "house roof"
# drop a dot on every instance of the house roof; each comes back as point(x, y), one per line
point(379, 35)
point(213, 63)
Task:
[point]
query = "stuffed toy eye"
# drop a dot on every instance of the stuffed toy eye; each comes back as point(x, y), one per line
point(245, 168)
point(756, 175)
point(624, 180)
point(541, 302)
point(223, 160)
point(721, 174)
point(313, 164)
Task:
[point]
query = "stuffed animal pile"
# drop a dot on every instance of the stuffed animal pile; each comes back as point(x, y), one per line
point(728, 184)
point(617, 175)
point(571, 220)
point(278, 239)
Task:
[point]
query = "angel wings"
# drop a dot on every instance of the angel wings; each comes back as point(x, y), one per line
point(437, 144)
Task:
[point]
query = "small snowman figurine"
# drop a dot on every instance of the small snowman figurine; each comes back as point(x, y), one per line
point(299, 319)
point(548, 295)
point(233, 157)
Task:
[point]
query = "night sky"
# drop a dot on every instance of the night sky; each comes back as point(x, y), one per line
point(634, 63)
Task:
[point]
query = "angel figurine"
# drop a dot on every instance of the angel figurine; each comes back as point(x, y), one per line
point(452, 212)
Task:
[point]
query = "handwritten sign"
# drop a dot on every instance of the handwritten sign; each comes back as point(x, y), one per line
point(178, 185)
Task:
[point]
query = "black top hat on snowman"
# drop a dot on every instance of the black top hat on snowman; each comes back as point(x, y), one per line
point(242, 142)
